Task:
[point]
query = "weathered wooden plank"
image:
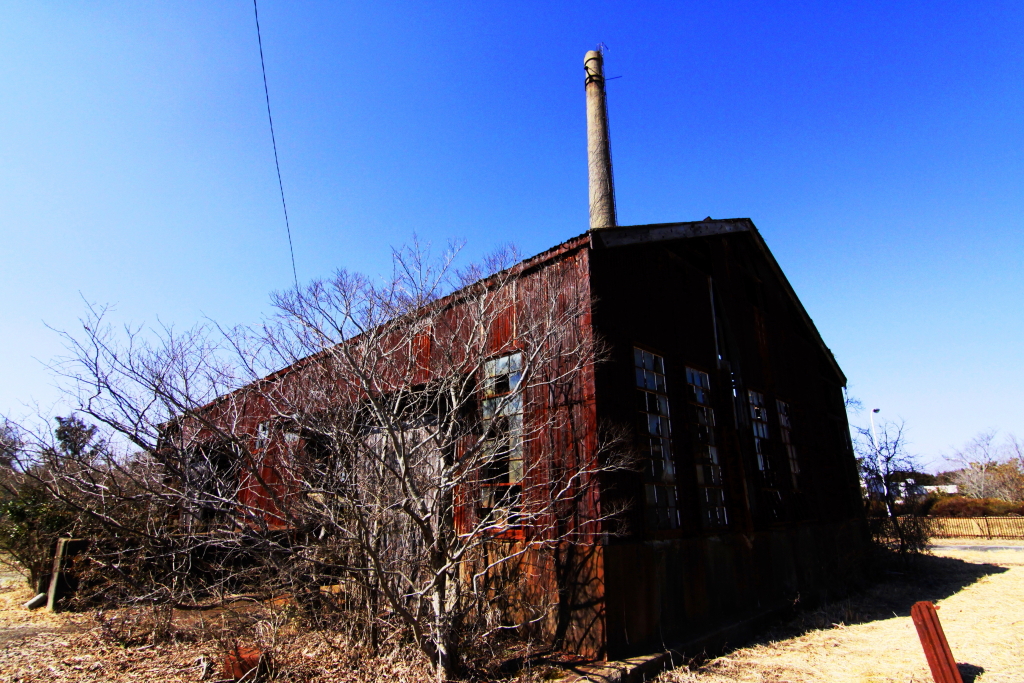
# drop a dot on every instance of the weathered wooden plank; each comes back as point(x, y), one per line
point(933, 640)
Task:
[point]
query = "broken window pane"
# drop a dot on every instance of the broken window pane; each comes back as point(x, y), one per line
point(759, 425)
point(655, 434)
point(786, 436)
point(701, 417)
point(502, 448)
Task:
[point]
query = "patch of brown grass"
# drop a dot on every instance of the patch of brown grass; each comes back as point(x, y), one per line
point(871, 639)
point(159, 644)
point(868, 638)
point(140, 644)
point(15, 619)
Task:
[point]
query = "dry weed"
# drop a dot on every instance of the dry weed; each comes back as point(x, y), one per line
point(859, 640)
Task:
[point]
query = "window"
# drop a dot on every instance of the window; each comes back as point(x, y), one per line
point(262, 435)
point(655, 433)
point(771, 498)
point(785, 435)
point(701, 418)
point(502, 473)
point(272, 430)
point(759, 422)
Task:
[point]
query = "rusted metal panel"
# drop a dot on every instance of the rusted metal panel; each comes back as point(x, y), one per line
point(240, 660)
point(933, 640)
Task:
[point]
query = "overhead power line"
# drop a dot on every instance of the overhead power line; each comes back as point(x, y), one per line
point(273, 139)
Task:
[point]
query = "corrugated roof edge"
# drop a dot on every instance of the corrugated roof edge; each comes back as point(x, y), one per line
point(624, 235)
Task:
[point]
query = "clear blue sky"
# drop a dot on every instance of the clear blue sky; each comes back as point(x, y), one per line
point(878, 147)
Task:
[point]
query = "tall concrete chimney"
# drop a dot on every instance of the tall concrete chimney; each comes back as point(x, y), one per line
point(599, 156)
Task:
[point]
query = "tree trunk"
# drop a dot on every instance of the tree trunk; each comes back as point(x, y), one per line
point(443, 640)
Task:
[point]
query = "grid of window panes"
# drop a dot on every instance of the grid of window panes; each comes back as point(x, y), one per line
point(759, 423)
point(786, 436)
point(502, 473)
point(655, 433)
point(709, 470)
point(771, 498)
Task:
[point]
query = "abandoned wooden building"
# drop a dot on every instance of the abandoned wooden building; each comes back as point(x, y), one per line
point(749, 496)
point(746, 497)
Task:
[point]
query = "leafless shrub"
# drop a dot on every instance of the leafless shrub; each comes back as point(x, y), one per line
point(384, 450)
point(135, 626)
point(884, 461)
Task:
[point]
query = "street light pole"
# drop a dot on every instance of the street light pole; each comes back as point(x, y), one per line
point(874, 436)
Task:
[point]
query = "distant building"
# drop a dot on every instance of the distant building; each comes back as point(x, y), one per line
point(947, 489)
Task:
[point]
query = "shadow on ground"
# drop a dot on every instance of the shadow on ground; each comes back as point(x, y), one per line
point(968, 672)
point(10, 635)
point(897, 585)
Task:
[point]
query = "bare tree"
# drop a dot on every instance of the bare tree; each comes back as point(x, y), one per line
point(976, 459)
point(1012, 479)
point(884, 462)
point(421, 443)
point(988, 468)
point(851, 402)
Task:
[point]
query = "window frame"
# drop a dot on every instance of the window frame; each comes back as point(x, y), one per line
point(758, 413)
point(784, 410)
point(500, 502)
point(654, 435)
point(714, 511)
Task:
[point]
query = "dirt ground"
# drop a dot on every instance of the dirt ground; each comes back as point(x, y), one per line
point(978, 585)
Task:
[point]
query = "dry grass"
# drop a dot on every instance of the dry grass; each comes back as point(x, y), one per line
point(941, 543)
point(867, 639)
point(157, 646)
point(133, 645)
point(17, 622)
point(981, 600)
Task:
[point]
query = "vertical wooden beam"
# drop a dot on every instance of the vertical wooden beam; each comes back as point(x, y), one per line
point(60, 583)
point(933, 640)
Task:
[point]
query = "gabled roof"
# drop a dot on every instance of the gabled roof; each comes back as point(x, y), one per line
point(627, 235)
point(622, 236)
